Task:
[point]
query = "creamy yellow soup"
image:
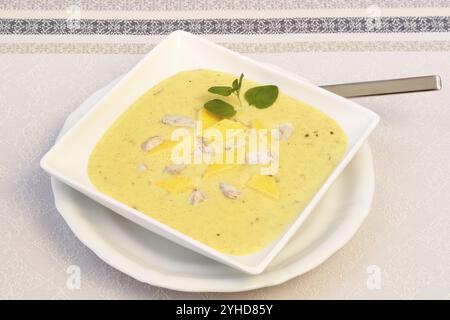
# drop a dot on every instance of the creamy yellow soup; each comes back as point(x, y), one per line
point(264, 206)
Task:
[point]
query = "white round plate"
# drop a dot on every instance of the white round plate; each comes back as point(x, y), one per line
point(152, 259)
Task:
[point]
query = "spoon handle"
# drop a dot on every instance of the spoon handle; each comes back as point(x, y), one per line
point(382, 87)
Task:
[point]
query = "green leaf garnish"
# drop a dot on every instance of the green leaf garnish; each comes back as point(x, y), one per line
point(235, 85)
point(237, 88)
point(262, 97)
point(240, 80)
point(223, 91)
point(220, 108)
point(226, 91)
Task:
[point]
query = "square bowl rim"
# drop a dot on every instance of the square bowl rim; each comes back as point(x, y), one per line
point(185, 240)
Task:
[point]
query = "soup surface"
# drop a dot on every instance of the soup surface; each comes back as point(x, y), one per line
point(232, 208)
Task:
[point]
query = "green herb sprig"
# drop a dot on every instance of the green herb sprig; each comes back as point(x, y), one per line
point(261, 97)
point(226, 91)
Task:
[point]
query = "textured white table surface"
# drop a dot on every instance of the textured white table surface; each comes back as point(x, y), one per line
point(407, 234)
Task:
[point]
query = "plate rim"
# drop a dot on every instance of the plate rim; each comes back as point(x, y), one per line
point(155, 278)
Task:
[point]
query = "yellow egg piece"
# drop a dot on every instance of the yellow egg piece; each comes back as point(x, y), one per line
point(176, 184)
point(258, 124)
point(216, 168)
point(207, 118)
point(264, 184)
point(223, 125)
point(166, 144)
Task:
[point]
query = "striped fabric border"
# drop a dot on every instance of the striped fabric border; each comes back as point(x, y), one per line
point(227, 26)
point(270, 47)
point(203, 5)
point(134, 26)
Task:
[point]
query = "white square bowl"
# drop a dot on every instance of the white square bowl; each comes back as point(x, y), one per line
point(68, 159)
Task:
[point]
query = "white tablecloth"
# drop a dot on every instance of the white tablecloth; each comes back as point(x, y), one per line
point(43, 77)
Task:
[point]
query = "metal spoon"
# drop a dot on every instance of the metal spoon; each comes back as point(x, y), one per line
point(382, 87)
